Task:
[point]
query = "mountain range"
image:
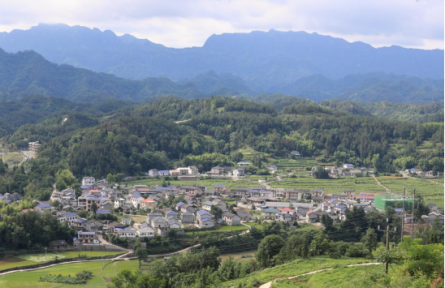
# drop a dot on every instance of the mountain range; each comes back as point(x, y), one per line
point(292, 63)
point(26, 73)
point(265, 61)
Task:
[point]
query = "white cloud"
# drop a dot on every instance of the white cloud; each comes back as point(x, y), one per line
point(185, 23)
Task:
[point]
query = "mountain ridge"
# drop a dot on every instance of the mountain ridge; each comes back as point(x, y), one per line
point(262, 59)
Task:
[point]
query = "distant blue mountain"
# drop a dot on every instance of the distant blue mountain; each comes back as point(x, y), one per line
point(264, 61)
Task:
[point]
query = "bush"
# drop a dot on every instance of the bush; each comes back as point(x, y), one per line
point(80, 278)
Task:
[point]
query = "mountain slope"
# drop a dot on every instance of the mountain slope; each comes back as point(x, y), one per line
point(29, 73)
point(262, 59)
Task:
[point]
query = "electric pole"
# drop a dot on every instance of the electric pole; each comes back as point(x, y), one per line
point(387, 230)
point(412, 223)
point(403, 214)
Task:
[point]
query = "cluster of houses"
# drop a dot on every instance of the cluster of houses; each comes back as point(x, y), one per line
point(192, 172)
point(196, 208)
point(344, 170)
point(420, 172)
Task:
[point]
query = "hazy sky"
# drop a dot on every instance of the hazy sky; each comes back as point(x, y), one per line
point(185, 23)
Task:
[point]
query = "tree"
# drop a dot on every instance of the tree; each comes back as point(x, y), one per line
point(94, 208)
point(321, 173)
point(328, 223)
point(127, 279)
point(370, 240)
point(216, 211)
point(269, 247)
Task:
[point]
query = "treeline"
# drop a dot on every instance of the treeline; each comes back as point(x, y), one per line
point(31, 230)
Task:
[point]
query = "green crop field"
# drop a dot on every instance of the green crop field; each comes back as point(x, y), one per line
point(360, 184)
point(31, 259)
point(249, 181)
point(100, 280)
point(431, 192)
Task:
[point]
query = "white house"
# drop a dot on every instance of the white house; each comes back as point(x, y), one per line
point(348, 166)
point(119, 202)
point(208, 205)
point(68, 217)
point(146, 232)
point(128, 232)
point(88, 181)
point(243, 164)
point(238, 172)
point(153, 172)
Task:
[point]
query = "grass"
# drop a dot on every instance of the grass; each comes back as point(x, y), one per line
point(297, 267)
point(239, 256)
point(15, 157)
point(221, 229)
point(336, 278)
point(14, 262)
point(31, 259)
point(342, 277)
point(30, 279)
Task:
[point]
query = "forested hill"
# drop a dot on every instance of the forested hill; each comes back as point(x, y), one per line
point(147, 137)
point(262, 59)
point(420, 113)
point(29, 73)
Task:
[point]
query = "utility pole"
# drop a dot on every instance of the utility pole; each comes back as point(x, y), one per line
point(403, 214)
point(387, 243)
point(387, 230)
point(412, 222)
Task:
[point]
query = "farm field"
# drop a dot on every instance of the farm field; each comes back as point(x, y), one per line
point(31, 259)
point(250, 181)
point(30, 278)
point(15, 157)
point(360, 184)
point(431, 192)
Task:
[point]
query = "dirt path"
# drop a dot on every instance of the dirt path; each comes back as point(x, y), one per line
point(269, 284)
point(380, 184)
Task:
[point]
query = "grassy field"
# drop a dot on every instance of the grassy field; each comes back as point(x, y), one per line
point(15, 157)
point(31, 259)
point(296, 267)
point(240, 256)
point(219, 230)
point(336, 278)
point(100, 280)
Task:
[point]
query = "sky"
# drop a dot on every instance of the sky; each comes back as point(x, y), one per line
point(187, 23)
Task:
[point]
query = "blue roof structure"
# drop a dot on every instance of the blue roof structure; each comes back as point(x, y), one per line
point(71, 214)
point(171, 213)
point(219, 185)
point(203, 212)
point(270, 210)
point(180, 203)
point(44, 205)
point(102, 212)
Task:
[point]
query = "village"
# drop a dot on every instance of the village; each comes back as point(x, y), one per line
point(108, 209)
